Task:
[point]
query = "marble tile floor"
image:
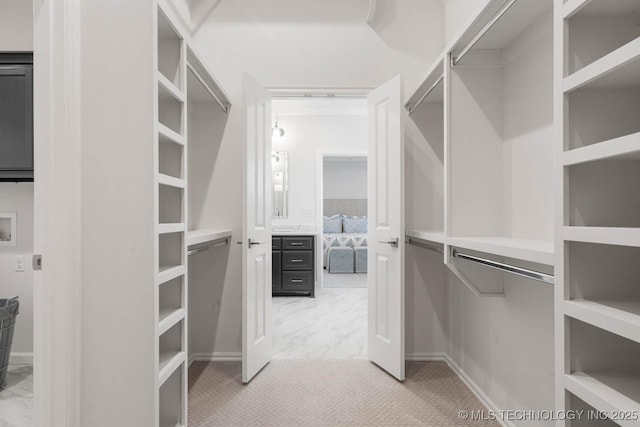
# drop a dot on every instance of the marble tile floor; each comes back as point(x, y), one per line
point(16, 401)
point(333, 325)
point(330, 280)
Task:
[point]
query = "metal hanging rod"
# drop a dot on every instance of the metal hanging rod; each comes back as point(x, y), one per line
point(482, 32)
point(225, 107)
point(427, 246)
point(519, 271)
point(205, 247)
point(428, 91)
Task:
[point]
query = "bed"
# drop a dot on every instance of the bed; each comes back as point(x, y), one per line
point(344, 225)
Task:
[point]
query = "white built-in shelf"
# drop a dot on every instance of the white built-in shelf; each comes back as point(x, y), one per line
point(168, 135)
point(170, 272)
point(604, 235)
point(198, 237)
point(618, 69)
point(427, 235)
point(170, 181)
point(619, 317)
point(167, 88)
point(610, 393)
point(623, 148)
point(538, 251)
point(169, 317)
point(169, 362)
point(178, 227)
point(599, 7)
point(431, 89)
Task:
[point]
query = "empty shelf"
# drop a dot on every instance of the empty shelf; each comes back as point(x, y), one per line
point(605, 235)
point(169, 317)
point(168, 134)
point(171, 228)
point(571, 7)
point(619, 317)
point(611, 393)
point(198, 237)
point(170, 272)
point(169, 362)
point(539, 251)
point(624, 147)
point(170, 181)
point(428, 235)
point(166, 87)
point(618, 69)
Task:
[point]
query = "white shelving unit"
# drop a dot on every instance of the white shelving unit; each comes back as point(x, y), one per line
point(501, 128)
point(171, 197)
point(597, 96)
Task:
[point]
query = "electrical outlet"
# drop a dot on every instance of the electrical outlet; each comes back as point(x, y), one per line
point(19, 263)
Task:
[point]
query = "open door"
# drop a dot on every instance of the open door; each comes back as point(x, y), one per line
point(256, 231)
point(386, 228)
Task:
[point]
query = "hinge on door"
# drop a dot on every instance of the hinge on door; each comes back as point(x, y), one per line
point(36, 262)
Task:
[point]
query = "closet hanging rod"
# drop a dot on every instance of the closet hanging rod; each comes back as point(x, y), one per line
point(531, 274)
point(426, 246)
point(482, 32)
point(225, 107)
point(215, 244)
point(428, 91)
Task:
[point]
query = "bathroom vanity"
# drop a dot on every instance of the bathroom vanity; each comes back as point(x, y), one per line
point(293, 265)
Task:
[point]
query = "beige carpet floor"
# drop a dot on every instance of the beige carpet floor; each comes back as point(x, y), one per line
point(328, 393)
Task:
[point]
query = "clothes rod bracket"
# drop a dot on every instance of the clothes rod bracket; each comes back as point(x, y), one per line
point(519, 271)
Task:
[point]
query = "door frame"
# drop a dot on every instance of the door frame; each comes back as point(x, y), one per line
point(320, 156)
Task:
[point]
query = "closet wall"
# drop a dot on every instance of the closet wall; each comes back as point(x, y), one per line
point(309, 50)
point(16, 34)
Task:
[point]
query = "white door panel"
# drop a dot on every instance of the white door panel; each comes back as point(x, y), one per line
point(386, 229)
point(256, 232)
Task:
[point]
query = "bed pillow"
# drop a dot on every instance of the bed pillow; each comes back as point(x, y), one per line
point(332, 224)
point(355, 224)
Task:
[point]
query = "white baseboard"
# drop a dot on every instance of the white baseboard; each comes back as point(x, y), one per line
point(215, 357)
point(21, 358)
point(476, 390)
point(424, 357)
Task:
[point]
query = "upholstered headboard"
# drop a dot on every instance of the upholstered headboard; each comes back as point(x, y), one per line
point(350, 207)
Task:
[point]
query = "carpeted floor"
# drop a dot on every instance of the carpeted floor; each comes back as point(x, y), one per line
point(328, 393)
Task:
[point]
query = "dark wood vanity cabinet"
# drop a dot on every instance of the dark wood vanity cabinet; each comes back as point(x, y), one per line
point(293, 265)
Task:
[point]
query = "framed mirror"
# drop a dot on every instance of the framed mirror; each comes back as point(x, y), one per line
point(8, 229)
point(280, 184)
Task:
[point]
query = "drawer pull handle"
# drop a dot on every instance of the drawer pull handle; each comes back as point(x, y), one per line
point(296, 281)
point(296, 243)
point(296, 260)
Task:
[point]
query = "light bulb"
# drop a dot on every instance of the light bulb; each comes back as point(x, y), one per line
point(277, 132)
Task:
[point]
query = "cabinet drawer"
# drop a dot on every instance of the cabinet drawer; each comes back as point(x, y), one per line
point(294, 281)
point(296, 243)
point(297, 260)
point(276, 243)
point(276, 270)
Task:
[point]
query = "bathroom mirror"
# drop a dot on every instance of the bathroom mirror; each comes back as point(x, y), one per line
point(280, 184)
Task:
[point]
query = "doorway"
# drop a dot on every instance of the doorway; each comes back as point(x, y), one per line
point(319, 157)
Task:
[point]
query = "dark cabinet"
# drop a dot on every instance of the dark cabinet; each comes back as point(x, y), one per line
point(293, 261)
point(16, 117)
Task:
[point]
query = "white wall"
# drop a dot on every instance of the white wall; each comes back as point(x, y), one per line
point(345, 179)
point(16, 34)
point(290, 49)
point(306, 135)
point(459, 13)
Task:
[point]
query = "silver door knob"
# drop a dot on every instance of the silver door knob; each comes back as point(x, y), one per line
point(392, 242)
point(251, 243)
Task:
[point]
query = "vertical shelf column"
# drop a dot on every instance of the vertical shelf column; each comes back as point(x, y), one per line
point(597, 304)
point(170, 224)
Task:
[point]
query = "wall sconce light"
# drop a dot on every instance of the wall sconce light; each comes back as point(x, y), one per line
point(277, 132)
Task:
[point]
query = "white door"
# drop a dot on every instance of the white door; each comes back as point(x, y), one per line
point(386, 228)
point(256, 231)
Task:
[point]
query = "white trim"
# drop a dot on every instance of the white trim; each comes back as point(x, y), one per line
point(425, 357)
point(216, 356)
point(476, 390)
point(20, 359)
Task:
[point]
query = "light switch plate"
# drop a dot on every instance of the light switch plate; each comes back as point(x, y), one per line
point(19, 263)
